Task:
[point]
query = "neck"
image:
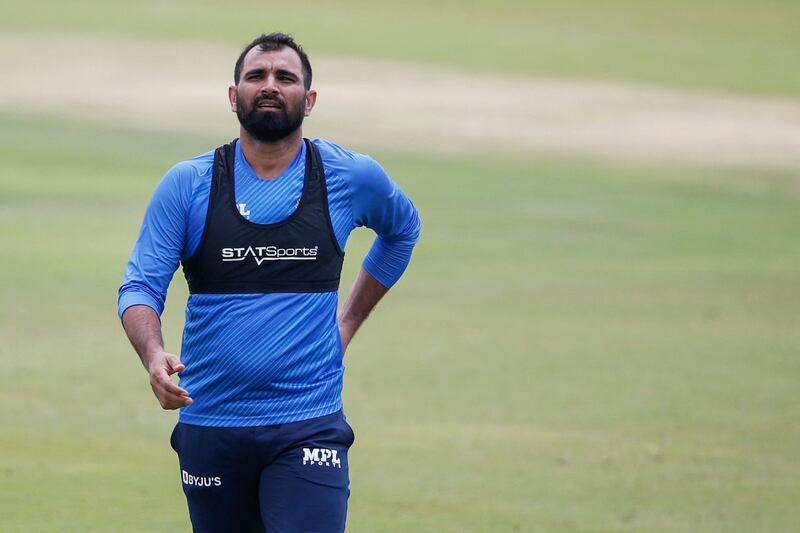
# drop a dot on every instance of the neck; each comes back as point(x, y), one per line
point(269, 159)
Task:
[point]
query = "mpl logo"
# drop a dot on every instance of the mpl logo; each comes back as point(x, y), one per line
point(321, 457)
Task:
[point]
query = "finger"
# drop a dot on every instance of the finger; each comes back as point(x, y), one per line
point(172, 403)
point(161, 379)
point(169, 400)
point(175, 365)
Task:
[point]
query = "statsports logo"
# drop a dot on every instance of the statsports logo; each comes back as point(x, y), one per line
point(269, 253)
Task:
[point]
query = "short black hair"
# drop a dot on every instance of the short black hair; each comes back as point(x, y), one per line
point(268, 43)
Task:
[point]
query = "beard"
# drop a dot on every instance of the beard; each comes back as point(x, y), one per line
point(269, 125)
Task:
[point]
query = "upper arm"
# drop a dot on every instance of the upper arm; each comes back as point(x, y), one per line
point(379, 203)
point(163, 234)
point(160, 242)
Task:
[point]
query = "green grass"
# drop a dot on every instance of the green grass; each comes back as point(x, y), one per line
point(739, 45)
point(576, 346)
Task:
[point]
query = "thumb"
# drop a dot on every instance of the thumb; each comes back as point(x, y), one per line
point(174, 364)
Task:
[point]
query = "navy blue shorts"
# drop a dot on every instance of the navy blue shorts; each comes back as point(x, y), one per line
point(280, 479)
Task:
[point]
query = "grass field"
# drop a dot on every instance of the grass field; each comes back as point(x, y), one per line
point(738, 44)
point(580, 344)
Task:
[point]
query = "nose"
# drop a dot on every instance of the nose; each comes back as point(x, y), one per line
point(269, 86)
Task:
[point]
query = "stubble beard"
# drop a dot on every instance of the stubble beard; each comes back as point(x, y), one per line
point(269, 125)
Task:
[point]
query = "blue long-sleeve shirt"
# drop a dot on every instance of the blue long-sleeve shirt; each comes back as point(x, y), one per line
point(260, 359)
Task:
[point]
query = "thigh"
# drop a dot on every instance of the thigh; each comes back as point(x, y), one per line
point(219, 481)
point(305, 490)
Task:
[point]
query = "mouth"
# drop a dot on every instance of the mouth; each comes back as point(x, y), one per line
point(269, 104)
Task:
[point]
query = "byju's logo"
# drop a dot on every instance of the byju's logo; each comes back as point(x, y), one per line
point(200, 481)
point(321, 457)
point(270, 253)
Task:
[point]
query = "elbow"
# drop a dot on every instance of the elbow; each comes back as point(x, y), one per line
point(136, 293)
point(415, 228)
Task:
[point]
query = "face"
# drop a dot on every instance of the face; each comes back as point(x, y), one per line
point(270, 99)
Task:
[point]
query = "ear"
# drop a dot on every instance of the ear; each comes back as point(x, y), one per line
point(232, 97)
point(311, 99)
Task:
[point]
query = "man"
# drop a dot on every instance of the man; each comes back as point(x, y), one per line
point(259, 226)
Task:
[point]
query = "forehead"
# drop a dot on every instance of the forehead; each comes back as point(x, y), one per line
point(283, 58)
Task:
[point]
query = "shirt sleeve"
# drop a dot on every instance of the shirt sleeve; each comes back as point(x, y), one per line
point(158, 249)
point(379, 204)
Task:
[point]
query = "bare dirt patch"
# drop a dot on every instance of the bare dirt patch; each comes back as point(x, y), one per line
point(382, 105)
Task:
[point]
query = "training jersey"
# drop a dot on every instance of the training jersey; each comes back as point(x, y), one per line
point(265, 358)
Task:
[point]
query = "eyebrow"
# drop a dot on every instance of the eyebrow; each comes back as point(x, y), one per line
point(280, 71)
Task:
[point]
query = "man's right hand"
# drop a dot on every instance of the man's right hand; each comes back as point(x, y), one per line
point(143, 327)
point(161, 366)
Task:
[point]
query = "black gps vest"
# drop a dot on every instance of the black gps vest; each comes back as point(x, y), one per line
point(298, 254)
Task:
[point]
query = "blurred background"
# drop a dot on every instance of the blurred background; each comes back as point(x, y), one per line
point(599, 330)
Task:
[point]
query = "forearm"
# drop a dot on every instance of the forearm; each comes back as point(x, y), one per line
point(365, 294)
point(143, 327)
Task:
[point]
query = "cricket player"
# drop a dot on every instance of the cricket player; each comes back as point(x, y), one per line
point(260, 226)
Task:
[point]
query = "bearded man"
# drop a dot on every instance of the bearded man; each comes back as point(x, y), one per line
point(260, 226)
